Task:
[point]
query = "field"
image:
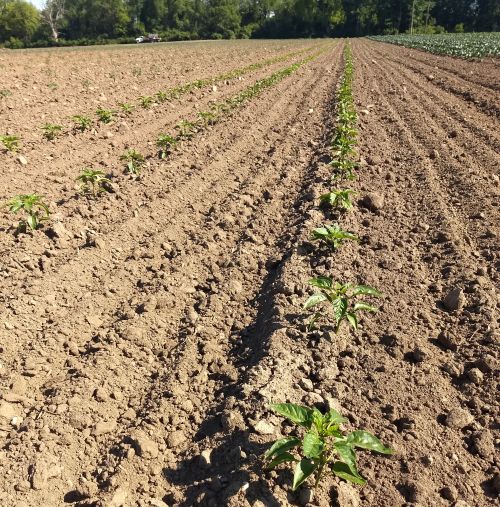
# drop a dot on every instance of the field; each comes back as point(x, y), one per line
point(147, 325)
point(465, 45)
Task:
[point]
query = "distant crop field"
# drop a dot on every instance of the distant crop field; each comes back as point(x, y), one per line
point(465, 45)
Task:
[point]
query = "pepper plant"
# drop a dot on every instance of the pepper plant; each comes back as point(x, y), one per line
point(82, 123)
point(93, 181)
point(104, 115)
point(51, 131)
point(325, 448)
point(134, 161)
point(34, 208)
point(338, 199)
point(166, 143)
point(341, 300)
point(11, 143)
point(332, 235)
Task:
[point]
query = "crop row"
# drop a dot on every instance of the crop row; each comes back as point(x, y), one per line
point(326, 448)
point(92, 182)
point(82, 123)
point(465, 45)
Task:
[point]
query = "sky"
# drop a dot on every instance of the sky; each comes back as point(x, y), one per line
point(38, 3)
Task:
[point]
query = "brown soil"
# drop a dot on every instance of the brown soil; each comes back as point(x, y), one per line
point(143, 336)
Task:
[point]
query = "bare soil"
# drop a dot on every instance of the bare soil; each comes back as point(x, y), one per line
point(143, 334)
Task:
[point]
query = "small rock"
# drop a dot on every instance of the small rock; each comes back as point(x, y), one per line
point(475, 375)
point(145, 447)
point(214, 88)
point(458, 418)
point(104, 427)
point(454, 300)
point(87, 489)
point(484, 444)
point(175, 439)
point(232, 420)
point(264, 428)
point(118, 499)
point(306, 384)
point(22, 160)
point(373, 201)
point(205, 458)
point(192, 316)
point(448, 340)
point(306, 496)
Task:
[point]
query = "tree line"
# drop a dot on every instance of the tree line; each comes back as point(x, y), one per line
point(85, 21)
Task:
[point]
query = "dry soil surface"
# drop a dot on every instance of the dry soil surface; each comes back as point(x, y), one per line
point(144, 333)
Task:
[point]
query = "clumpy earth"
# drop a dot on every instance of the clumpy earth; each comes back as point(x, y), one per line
point(144, 333)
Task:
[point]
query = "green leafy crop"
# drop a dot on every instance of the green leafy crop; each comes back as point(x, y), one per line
point(92, 181)
point(186, 129)
point(127, 108)
point(146, 101)
point(207, 118)
point(82, 123)
point(104, 115)
point(134, 161)
point(326, 448)
point(332, 235)
point(51, 131)
point(166, 143)
point(33, 206)
point(161, 96)
point(11, 143)
point(340, 300)
point(338, 199)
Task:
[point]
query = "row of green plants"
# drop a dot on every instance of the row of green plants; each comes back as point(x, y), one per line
point(93, 182)
point(325, 448)
point(83, 123)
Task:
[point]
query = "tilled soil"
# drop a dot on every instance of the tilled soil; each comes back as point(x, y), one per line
point(144, 337)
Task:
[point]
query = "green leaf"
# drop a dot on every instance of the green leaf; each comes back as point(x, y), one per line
point(347, 455)
point(353, 320)
point(281, 458)
point(302, 471)
point(296, 413)
point(343, 471)
point(323, 282)
point(365, 290)
point(314, 300)
point(32, 222)
point(282, 445)
point(339, 308)
point(312, 445)
point(335, 417)
point(364, 307)
point(366, 440)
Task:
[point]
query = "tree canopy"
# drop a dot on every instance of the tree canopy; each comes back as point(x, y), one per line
point(22, 23)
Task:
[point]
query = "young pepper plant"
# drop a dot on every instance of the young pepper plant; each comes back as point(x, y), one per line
point(341, 300)
point(92, 180)
point(326, 448)
point(332, 235)
point(11, 143)
point(338, 199)
point(33, 206)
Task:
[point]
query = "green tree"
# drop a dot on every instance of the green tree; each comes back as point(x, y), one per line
point(223, 19)
point(18, 20)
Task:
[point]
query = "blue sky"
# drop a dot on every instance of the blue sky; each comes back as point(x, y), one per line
point(38, 3)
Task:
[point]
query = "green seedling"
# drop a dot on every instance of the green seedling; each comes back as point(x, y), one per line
point(11, 143)
point(53, 86)
point(51, 131)
point(344, 168)
point(134, 161)
point(136, 71)
point(332, 235)
point(33, 206)
point(127, 108)
point(146, 101)
point(93, 181)
point(326, 448)
point(338, 199)
point(104, 115)
point(166, 143)
point(341, 300)
point(82, 123)
point(162, 96)
point(186, 129)
point(5, 92)
point(207, 118)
